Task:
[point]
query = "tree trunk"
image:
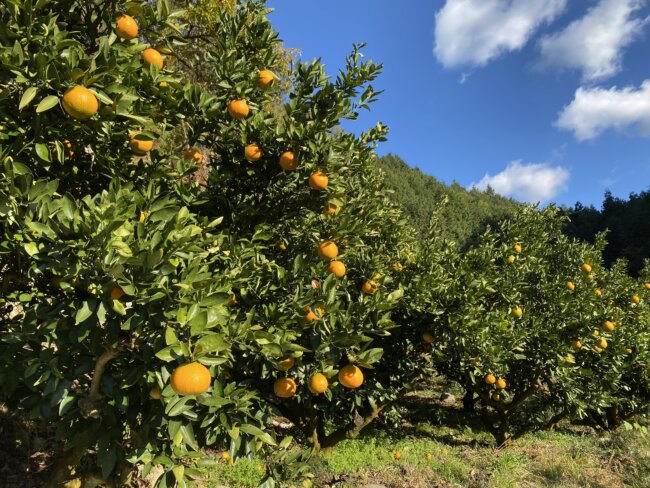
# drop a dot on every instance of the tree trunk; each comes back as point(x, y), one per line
point(469, 401)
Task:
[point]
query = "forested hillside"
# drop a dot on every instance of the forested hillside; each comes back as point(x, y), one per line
point(467, 212)
point(628, 223)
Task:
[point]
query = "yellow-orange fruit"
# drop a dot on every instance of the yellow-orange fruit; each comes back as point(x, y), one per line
point(194, 154)
point(286, 364)
point(570, 285)
point(191, 379)
point(351, 376)
point(647, 286)
point(369, 287)
point(609, 326)
point(238, 109)
point(318, 383)
point(517, 248)
point(80, 103)
point(152, 57)
point(253, 153)
point(585, 267)
point(285, 387)
point(511, 259)
point(397, 455)
point(314, 313)
point(598, 293)
point(266, 78)
point(318, 181)
point(576, 345)
point(500, 384)
point(428, 338)
point(328, 250)
point(636, 299)
point(140, 146)
point(126, 27)
point(517, 312)
point(155, 393)
point(331, 209)
point(117, 293)
point(490, 379)
point(397, 267)
point(602, 343)
point(288, 161)
point(337, 268)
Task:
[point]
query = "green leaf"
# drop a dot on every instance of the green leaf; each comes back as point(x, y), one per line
point(42, 151)
point(107, 461)
point(83, 313)
point(47, 103)
point(31, 248)
point(27, 97)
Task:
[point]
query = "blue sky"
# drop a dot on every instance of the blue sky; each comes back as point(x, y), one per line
point(542, 99)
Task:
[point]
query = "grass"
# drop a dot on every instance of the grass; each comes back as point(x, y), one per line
point(435, 455)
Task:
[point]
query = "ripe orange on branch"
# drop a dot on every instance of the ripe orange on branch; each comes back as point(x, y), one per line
point(318, 181)
point(428, 338)
point(152, 57)
point(336, 268)
point(126, 27)
point(238, 109)
point(370, 287)
point(318, 383)
point(570, 285)
point(286, 364)
point(517, 312)
point(253, 153)
point(331, 209)
point(191, 379)
point(288, 161)
point(80, 103)
point(501, 384)
point(351, 376)
point(314, 313)
point(609, 326)
point(266, 78)
point(636, 299)
point(194, 154)
point(490, 379)
point(117, 293)
point(140, 146)
point(328, 250)
point(285, 387)
point(517, 248)
point(586, 267)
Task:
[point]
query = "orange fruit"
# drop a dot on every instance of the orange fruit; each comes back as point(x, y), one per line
point(80, 103)
point(517, 248)
point(351, 376)
point(253, 153)
point(155, 393)
point(511, 259)
point(281, 245)
point(570, 286)
point(194, 154)
point(428, 338)
point(490, 379)
point(238, 109)
point(225, 455)
point(266, 78)
point(369, 287)
point(629, 350)
point(285, 387)
point(163, 84)
point(647, 286)
point(607, 325)
point(117, 293)
point(516, 312)
point(585, 267)
point(286, 364)
point(598, 293)
point(576, 345)
point(595, 332)
point(590, 277)
point(126, 27)
point(331, 209)
point(328, 250)
point(318, 181)
point(500, 384)
point(636, 299)
point(318, 383)
point(140, 146)
point(397, 455)
point(397, 267)
point(377, 276)
point(151, 56)
point(429, 456)
point(288, 161)
point(314, 313)
point(191, 379)
point(336, 268)
point(602, 343)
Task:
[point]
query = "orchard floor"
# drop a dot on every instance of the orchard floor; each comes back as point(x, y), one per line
point(444, 450)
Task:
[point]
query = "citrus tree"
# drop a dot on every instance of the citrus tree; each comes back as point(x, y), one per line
point(181, 261)
point(506, 326)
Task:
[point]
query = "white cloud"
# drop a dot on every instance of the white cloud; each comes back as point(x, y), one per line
point(595, 42)
point(532, 182)
point(473, 32)
point(595, 110)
